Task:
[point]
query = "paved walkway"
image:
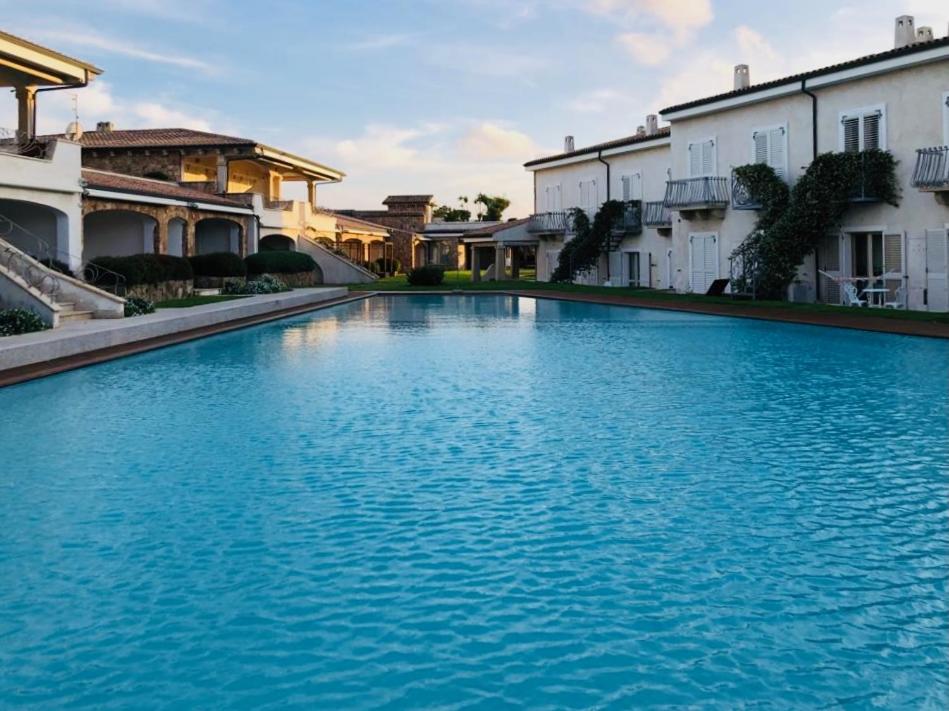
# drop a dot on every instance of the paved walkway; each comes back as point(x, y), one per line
point(844, 319)
point(80, 343)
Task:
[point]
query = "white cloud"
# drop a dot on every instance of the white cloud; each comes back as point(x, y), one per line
point(490, 141)
point(650, 50)
point(380, 42)
point(681, 16)
point(111, 45)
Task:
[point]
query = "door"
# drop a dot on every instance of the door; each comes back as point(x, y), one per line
point(617, 278)
point(703, 261)
point(669, 283)
point(894, 264)
point(632, 187)
point(829, 269)
point(634, 275)
point(937, 270)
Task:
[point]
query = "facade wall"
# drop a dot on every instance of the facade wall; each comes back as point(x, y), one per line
point(118, 234)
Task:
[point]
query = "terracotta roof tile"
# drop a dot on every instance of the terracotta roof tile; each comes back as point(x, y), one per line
point(158, 138)
point(850, 64)
point(616, 143)
point(396, 199)
point(118, 182)
point(349, 220)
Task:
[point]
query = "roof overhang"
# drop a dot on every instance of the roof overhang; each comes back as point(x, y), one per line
point(299, 167)
point(814, 81)
point(593, 154)
point(23, 63)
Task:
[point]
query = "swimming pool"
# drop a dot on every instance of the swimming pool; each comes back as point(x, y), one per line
point(482, 502)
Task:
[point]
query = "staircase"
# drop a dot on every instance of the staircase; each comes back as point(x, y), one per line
point(336, 268)
point(68, 312)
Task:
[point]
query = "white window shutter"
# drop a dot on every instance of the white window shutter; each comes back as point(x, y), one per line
point(626, 188)
point(871, 131)
point(760, 139)
point(708, 158)
point(695, 160)
point(851, 134)
point(778, 152)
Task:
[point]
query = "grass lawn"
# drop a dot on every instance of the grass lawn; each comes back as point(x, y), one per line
point(196, 301)
point(462, 280)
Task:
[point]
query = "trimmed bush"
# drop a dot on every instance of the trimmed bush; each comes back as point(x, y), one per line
point(218, 264)
point(429, 275)
point(264, 284)
point(381, 265)
point(136, 306)
point(279, 262)
point(13, 322)
point(141, 269)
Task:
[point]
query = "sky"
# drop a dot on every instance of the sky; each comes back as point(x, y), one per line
point(448, 97)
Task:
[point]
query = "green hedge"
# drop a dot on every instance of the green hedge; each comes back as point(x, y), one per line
point(13, 322)
point(430, 275)
point(143, 269)
point(382, 266)
point(279, 262)
point(218, 264)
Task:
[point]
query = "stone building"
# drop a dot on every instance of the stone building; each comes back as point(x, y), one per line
point(406, 217)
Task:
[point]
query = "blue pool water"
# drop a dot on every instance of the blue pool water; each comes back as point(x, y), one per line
point(485, 503)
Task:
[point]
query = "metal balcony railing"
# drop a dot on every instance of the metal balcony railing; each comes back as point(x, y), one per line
point(656, 214)
point(696, 193)
point(741, 195)
point(549, 222)
point(932, 168)
point(631, 221)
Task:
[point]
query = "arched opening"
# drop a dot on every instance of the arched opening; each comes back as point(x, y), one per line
point(177, 236)
point(216, 234)
point(352, 250)
point(39, 230)
point(117, 233)
point(377, 250)
point(277, 243)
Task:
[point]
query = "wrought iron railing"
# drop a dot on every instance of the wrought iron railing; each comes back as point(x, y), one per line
point(867, 188)
point(12, 141)
point(741, 195)
point(932, 168)
point(656, 214)
point(696, 193)
point(630, 222)
point(549, 222)
point(743, 267)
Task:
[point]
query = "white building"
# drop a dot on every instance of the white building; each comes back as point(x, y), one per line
point(897, 100)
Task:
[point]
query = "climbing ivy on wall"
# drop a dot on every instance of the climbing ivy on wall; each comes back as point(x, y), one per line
point(791, 223)
point(589, 242)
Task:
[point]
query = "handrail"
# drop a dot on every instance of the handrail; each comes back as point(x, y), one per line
point(656, 214)
point(741, 194)
point(709, 191)
point(932, 167)
point(549, 222)
point(631, 220)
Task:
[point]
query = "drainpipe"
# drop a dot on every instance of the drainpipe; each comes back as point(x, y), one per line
point(599, 157)
point(80, 85)
point(813, 96)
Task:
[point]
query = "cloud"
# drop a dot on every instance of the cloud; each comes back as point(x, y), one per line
point(650, 50)
point(486, 61)
point(490, 141)
point(381, 42)
point(111, 45)
point(682, 16)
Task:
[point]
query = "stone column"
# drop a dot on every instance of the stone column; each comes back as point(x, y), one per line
point(187, 239)
point(221, 174)
point(475, 264)
point(499, 268)
point(161, 235)
point(311, 193)
point(515, 263)
point(26, 109)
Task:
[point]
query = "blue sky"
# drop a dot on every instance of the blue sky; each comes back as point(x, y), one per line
point(441, 96)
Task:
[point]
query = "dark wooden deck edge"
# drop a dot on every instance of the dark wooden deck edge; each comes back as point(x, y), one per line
point(925, 329)
point(33, 371)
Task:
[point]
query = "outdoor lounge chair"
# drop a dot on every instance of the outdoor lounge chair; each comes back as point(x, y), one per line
point(851, 297)
point(899, 300)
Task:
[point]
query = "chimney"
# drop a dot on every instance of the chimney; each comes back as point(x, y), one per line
point(568, 144)
point(652, 125)
point(640, 130)
point(924, 34)
point(105, 126)
point(742, 76)
point(905, 32)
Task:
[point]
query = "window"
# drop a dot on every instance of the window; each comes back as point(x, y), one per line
point(632, 186)
point(589, 198)
point(633, 267)
point(770, 146)
point(702, 158)
point(863, 129)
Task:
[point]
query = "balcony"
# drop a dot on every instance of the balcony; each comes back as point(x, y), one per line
point(932, 169)
point(630, 223)
point(657, 215)
point(549, 223)
point(741, 195)
point(697, 197)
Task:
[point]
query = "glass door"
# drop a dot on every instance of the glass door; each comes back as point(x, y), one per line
point(633, 268)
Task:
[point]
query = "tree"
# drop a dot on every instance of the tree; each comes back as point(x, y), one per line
point(454, 214)
point(494, 206)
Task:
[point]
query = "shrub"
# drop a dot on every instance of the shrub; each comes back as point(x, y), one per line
point(140, 269)
point(381, 266)
point(218, 264)
point(264, 284)
point(429, 275)
point(279, 262)
point(13, 322)
point(136, 306)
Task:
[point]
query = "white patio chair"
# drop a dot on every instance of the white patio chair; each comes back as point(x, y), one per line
point(851, 298)
point(899, 300)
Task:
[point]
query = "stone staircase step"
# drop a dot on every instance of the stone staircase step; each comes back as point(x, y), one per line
point(73, 315)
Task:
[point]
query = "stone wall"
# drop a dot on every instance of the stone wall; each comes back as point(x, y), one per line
point(404, 224)
point(139, 164)
point(162, 291)
point(298, 280)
